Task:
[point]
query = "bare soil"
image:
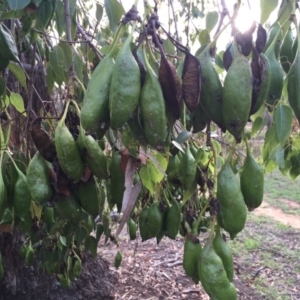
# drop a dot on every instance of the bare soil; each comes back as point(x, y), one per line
point(277, 214)
point(150, 271)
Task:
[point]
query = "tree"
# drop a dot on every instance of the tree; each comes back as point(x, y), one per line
point(116, 113)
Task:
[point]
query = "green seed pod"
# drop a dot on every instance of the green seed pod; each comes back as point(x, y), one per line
point(276, 83)
point(125, 86)
point(173, 167)
point(95, 108)
point(272, 35)
point(118, 259)
point(68, 208)
point(252, 182)
point(117, 180)
point(233, 212)
point(131, 229)
point(77, 267)
point(187, 168)
point(38, 180)
point(93, 156)
point(21, 196)
point(153, 110)
point(89, 196)
point(293, 78)
point(211, 89)
point(237, 101)
point(3, 191)
point(67, 151)
point(199, 118)
point(213, 276)
point(286, 52)
point(48, 215)
point(154, 220)
point(29, 256)
point(224, 253)
point(173, 220)
point(143, 224)
point(191, 254)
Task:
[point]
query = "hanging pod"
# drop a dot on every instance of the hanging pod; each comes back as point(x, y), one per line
point(95, 108)
point(67, 151)
point(153, 111)
point(125, 86)
point(21, 197)
point(286, 54)
point(173, 219)
point(117, 180)
point(89, 196)
point(233, 213)
point(237, 94)
point(212, 274)
point(276, 81)
point(261, 73)
point(293, 77)
point(92, 155)
point(224, 252)
point(38, 180)
point(3, 191)
point(191, 254)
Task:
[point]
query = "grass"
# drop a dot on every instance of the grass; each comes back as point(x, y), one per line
point(272, 247)
point(279, 188)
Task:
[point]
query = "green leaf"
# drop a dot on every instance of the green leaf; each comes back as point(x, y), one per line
point(211, 20)
point(204, 37)
point(99, 12)
point(56, 59)
point(91, 245)
point(266, 7)
point(183, 136)
point(60, 18)
point(18, 4)
point(169, 47)
point(150, 173)
point(68, 54)
point(279, 154)
point(19, 74)
point(257, 124)
point(63, 240)
point(49, 78)
point(43, 15)
point(283, 122)
point(114, 11)
point(17, 101)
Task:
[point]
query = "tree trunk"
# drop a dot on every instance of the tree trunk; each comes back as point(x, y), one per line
point(22, 282)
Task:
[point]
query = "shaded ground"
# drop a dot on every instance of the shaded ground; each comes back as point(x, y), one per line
point(266, 257)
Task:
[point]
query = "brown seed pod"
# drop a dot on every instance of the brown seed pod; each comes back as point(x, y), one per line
point(168, 79)
point(227, 57)
point(261, 39)
point(42, 141)
point(170, 85)
point(191, 81)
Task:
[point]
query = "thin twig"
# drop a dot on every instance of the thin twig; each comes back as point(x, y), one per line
point(174, 17)
point(89, 41)
point(223, 14)
point(69, 36)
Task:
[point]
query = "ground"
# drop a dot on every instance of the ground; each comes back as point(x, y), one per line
point(266, 255)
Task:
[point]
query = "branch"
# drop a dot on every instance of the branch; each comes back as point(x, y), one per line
point(174, 17)
point(69, 35)
point(223, 14)
point(89, 41)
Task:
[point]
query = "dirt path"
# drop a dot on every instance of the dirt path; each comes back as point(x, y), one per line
point(277, 214)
